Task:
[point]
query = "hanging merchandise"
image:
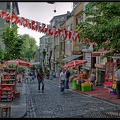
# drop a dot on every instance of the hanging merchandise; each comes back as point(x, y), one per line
point(40, 27)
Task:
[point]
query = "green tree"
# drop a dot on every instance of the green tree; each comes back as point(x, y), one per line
point(13, 42)
point(102, 26)
point(29, 48)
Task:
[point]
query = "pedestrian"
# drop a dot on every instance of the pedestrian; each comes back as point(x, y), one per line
point(62, 80)
point(67, 79)
point(92, 78)
point(33, 76)
point(51, 74)
point(40, 77)
point(27, 77)
point(118, 82)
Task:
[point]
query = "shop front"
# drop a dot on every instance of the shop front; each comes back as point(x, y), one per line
point(100, 70)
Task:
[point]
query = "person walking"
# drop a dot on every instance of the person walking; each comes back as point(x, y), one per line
point(93, 78)
point(33, 76)
point(118, 82)
point(67, 79)
point(62, 80)
point(51, 74)
point(40, 77)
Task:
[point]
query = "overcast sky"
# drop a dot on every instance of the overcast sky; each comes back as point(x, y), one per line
point(41, 12)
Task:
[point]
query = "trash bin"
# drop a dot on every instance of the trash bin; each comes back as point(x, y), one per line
point(74, 84)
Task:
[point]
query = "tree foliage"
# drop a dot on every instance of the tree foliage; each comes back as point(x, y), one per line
point(13, 42)
point(102, 25)
point(29, 49)
point(18, 46)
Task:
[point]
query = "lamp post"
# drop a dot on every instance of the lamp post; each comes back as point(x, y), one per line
point(54, 54)
point(39, 56)
point(10, 13)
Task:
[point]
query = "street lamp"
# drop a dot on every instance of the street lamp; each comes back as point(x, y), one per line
point(54, 53)
point(10, 13)
point(39, 56)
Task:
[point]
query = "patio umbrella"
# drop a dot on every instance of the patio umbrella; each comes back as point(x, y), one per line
point(74, 63)
point(17, 62)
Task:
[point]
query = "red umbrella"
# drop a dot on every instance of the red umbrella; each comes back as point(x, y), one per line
point(74, 63)
point(17, 62)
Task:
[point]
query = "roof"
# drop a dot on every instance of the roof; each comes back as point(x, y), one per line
point(99, 52)
point(57, 17)
point(70, 58)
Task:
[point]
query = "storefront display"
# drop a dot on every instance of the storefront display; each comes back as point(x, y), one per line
point(8, 84)
point(110, 73)
point(86, 86)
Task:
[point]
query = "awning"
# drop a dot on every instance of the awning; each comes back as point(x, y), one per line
point(99, 52)
point(70, 58)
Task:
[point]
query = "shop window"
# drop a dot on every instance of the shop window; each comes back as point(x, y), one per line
point(93, 62)
point(109, 59)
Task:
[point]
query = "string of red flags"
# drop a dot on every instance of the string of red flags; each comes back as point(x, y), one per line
point(40, 27)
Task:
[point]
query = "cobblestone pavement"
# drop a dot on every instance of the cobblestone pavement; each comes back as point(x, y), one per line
point(71, 104)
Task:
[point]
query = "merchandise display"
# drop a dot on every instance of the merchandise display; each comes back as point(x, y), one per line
point(86, 86)
point(8, 84)
point(110, 73)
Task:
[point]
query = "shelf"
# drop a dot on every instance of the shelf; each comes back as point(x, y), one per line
point(11, 68)
point(6, 93)
point(8, 79)
point(8, 84)
point(6, 89)
point(5, 100)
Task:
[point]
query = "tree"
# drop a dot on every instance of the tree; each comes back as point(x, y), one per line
point(30, 49)
point(102, 26)
point(17, 46)
point(13, 42)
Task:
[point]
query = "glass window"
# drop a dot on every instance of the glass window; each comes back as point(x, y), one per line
point(79, 19)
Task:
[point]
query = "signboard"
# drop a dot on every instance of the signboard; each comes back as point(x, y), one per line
point(88, 58)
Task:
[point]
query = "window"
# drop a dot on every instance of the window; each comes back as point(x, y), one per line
point(68, 28)
point(63, 46)
point(8, 5)
point(75, 4)
point(79, 19)
point(62, 18)
point(87, 7)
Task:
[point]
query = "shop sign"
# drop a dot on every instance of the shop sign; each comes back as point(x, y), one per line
point(88, 58)
point(40, 27)
point(100, 65)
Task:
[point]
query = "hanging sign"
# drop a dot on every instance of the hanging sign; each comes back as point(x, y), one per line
point(40, 27)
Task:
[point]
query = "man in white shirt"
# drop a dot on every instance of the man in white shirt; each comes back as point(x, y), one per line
point(62, 80)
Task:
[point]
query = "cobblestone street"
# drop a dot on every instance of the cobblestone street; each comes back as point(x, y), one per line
point(71, 104)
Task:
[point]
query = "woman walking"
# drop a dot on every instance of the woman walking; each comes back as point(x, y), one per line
point(40, 77)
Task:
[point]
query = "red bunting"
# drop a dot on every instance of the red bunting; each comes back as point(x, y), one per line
point(40, 27)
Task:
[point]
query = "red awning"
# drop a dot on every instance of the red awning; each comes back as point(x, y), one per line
point(99, 52)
